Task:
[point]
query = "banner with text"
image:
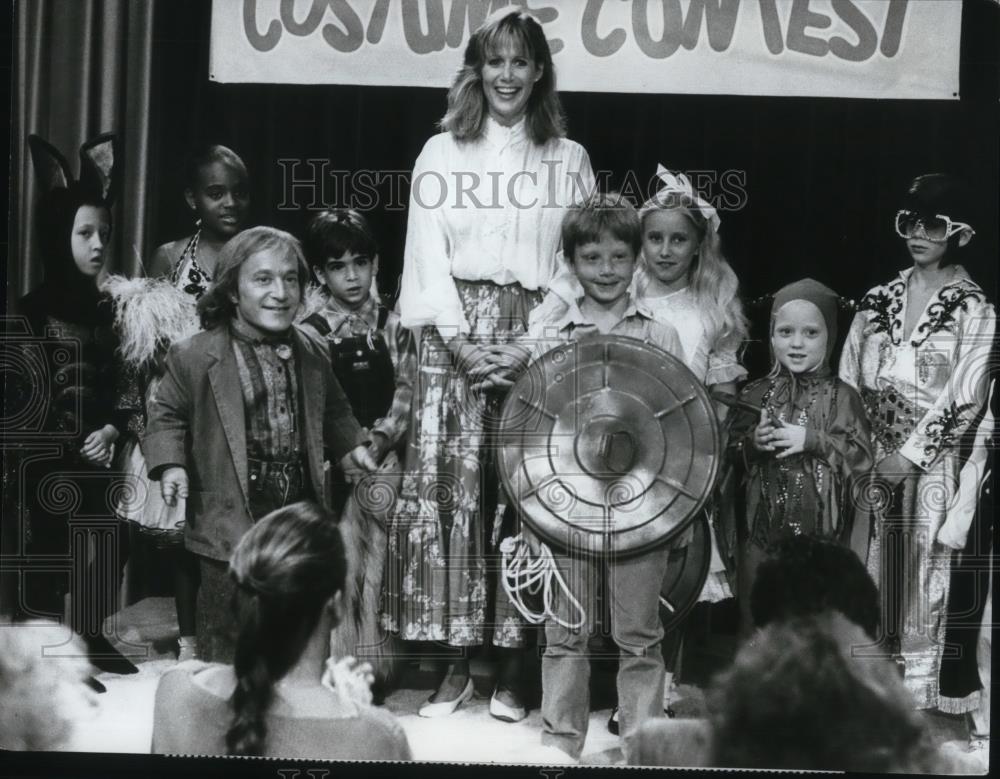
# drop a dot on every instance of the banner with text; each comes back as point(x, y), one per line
point(822, 48)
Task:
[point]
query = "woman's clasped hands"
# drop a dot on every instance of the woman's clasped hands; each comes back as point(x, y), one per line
point(490, 366)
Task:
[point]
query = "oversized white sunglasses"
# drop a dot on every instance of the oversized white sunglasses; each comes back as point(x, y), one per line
point(910, 224)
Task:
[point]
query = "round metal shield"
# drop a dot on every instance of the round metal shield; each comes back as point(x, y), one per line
point(608, 445)
point(687, 570)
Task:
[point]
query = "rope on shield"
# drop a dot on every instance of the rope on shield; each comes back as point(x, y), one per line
point(522, 572)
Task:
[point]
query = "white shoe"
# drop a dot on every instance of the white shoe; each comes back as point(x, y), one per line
point(446, 708)
point(502, 711)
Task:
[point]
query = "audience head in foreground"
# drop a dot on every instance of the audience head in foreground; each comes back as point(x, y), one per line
point(289, 570)
point(803, 695)
point(284, 696)
point(43, 689)
point(806, 575)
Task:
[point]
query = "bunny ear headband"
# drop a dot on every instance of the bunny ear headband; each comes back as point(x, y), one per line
point(680, 184)
point(97, 166)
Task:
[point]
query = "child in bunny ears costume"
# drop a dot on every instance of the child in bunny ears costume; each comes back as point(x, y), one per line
point(86, 412)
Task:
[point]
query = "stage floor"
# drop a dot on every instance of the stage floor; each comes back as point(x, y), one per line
point(122, 721)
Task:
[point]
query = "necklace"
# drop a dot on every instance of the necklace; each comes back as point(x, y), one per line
point(189, 275)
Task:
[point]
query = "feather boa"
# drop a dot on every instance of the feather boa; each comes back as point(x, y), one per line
point(150, 314)
point(313, 300)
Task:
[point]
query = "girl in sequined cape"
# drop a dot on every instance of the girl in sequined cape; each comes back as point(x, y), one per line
point(924, 390)
point(807, 492)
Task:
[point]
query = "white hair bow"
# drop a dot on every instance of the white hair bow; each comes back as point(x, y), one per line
point(679, 183)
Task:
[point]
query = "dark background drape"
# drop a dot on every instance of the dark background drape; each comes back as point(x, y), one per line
point(823, 176)
point(80, 68)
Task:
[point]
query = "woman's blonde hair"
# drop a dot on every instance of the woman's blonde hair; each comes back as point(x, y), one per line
point(467, 107)
point(712, 280)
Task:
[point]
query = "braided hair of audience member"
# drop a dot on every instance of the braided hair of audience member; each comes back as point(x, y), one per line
point(289, 567)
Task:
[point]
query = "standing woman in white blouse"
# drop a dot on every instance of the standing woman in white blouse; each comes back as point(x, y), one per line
point(486, 204)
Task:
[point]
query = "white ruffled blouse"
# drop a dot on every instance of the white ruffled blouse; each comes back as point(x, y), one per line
point(485, 210)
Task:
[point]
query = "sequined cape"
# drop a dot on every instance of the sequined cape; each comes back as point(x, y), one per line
point(808, 492)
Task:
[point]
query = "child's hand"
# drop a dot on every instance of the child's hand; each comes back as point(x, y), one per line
point(763, 436)
point(174, 485)
point(378, 445)
point(357, 462)
point(98, 447)
point(790, 439)
point(350, 679)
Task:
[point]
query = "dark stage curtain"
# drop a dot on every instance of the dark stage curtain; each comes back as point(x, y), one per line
point(81, 67)
point(822, 177)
